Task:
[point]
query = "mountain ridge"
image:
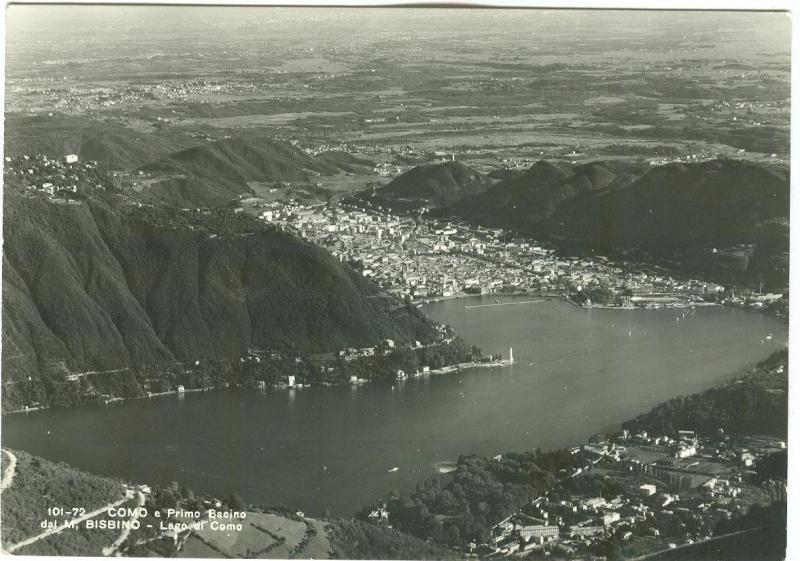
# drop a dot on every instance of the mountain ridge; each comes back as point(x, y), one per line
point(535, 194)
point(726, 218)
point(91, 287)
point(439, 184)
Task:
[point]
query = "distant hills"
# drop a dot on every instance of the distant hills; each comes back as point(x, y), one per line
point(187, 169)
point(726, 217)
point(678, 206)
point(439, 184)
point(535, 195)
point(215, 173)
point(110, 142)
point(218, 172)
point(96, 288)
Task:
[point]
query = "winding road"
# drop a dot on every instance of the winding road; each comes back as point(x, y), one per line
point(112, 549)
point(11, 469)
point(65, 525)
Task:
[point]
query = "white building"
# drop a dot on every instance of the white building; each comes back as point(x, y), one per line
point(648, 489)
point(533, 532)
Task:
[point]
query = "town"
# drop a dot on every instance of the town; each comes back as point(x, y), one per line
point(663, 491)
point(641, 492)
point(418, 259)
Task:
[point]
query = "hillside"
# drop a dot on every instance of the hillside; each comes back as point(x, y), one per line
point(267, 532)
point(215, 173)
point(183, 168)
point(91, 287)
point(756, 403)
point(110, 142)
point(345, 161)
point(678, 206)
point(38, 485)
point(354, 539)
point(724, 218)
point(528, 198)
point(438, 184)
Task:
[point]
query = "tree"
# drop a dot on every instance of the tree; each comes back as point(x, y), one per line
point(236, 502)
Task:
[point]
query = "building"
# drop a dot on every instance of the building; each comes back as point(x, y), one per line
point(291, 381)
point(379, 515)
point(71, 158)
point(585, 531)
point(528, 533)
point(594, 503)
point(648, 489)
point(181, 389)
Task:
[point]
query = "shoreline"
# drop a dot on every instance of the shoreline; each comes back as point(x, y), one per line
point(459, 367)
point(437, 372)
point(680, 304)
point(499, 363)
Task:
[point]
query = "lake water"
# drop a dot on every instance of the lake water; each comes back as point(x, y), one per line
point(577, 372)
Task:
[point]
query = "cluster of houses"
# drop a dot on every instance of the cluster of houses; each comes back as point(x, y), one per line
point(52, 177)
point(90, 98)
point(416, 258)
point(661, 477)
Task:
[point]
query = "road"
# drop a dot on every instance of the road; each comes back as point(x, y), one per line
point(65, 525)
point(695, 544)
point(112, 549)
point(11, 469)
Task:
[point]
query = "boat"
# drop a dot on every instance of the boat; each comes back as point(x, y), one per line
point(768, 337)
point(394, 469)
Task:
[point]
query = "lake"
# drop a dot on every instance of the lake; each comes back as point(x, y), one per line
point(577, 372)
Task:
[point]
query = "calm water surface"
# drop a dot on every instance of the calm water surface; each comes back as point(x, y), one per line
point(577, 372)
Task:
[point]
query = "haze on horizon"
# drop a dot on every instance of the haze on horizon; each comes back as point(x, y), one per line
point(37, 34)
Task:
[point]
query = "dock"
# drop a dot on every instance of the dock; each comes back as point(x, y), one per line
point(502, 304)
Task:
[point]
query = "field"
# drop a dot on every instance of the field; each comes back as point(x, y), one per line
point(558, 85)
point(264, 536)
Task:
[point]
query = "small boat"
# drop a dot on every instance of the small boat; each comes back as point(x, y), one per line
point(394, 469)
point(768, 337)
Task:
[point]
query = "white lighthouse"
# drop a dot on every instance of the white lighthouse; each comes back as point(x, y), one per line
point(511, 355)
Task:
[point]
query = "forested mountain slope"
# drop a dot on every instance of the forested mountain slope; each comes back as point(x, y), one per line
point(88, 286)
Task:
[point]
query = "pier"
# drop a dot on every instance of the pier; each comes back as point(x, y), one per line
point(502, 304)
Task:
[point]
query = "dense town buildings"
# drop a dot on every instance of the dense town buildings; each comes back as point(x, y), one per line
point(417, 258)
